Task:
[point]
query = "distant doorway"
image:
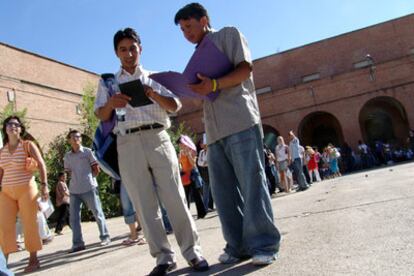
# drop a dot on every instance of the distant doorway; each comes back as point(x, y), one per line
point(319, 129)
point(383, 119)
point(270, 137)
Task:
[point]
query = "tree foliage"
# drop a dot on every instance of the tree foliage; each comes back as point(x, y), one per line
point(59, 146)
point(10, 110)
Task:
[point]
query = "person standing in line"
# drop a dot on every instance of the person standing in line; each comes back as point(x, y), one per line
point(282, 160)
point(203, 168)
point(131, 219)
point(296, 160)
point(81, 165)
point(235, 146)
point(62, 203)
point(19, 192)
point(304, 160)
point(313, 164)
point(269, 164)
point(187, 158)
point(147, 159)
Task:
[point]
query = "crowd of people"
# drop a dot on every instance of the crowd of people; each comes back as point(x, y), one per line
point(293, 164)
point(230, 171)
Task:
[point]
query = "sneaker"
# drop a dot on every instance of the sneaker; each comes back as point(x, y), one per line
point(163, 269)
point(226, 258)
point(105, 242)
point(47, 240)
point(77, 249)
point(263, 259)
point(199, 264)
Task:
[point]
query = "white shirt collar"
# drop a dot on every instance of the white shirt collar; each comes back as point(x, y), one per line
point(138, 71)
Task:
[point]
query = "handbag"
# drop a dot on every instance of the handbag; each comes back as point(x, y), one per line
point(31, 164)
point(196, 178)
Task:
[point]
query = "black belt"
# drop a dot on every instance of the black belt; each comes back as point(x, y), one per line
point(144, 127)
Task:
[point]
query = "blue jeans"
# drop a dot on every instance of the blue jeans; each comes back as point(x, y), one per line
point(92, 201)
point(3, 266)
point(128, 210)
point(238, 184)
point(298, 170)
point(165, 219)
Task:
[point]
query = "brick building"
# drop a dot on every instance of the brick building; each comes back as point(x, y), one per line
point(355, 86)
point(358, 85)
point(50, 91)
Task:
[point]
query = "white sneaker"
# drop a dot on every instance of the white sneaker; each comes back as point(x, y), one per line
point(106, 242)
point(226, 258)
point(263, 259)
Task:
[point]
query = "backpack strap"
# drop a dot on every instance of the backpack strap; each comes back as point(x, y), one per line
point(108, 79)
point(106, 127)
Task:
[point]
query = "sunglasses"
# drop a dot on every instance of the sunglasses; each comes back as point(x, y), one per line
point(76, 136)
point(11, 124)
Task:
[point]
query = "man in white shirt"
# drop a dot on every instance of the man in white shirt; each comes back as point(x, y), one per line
point(296, 160)
point(363, 152)
point(146, 155)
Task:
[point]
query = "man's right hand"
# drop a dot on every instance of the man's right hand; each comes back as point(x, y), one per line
point(118, 100)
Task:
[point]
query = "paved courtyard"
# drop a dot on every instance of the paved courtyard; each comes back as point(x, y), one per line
point(360, 224)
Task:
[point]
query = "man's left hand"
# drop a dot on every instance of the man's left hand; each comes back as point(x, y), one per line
point(204, 87)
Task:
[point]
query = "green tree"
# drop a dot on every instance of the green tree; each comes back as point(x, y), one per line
point(89, 121)
point(59, 146)
point(178, 129)
point(9, 110)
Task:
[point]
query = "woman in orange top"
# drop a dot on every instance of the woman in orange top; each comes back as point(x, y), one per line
point(187, 158)
point(19, 191)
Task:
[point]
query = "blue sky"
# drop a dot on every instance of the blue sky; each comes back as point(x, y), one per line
point(80, 32)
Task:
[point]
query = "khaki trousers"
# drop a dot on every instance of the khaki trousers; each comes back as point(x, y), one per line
point(20, 199)
point(149, 170)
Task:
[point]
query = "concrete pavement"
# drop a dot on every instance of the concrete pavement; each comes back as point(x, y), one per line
point(360, 224)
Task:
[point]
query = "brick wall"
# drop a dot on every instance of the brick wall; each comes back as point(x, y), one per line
point(342, 90)
point(50, 91)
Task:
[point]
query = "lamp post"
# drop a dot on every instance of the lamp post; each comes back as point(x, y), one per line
point(372, 67)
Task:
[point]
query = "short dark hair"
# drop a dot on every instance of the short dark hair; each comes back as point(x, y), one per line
point(193, 10)
point(8, 119)
point(61, 174)
point(72, 131)
point(126, 33)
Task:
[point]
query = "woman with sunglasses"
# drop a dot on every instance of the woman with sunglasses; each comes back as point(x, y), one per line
point(19, 192)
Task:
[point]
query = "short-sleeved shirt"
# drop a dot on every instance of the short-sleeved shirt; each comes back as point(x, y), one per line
point(142, 115)
point(294, 148)
point(62, 194)
point(202, 159)
point(79, 164)
point(236, 108)
point(363, 148)
point(281, 153)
